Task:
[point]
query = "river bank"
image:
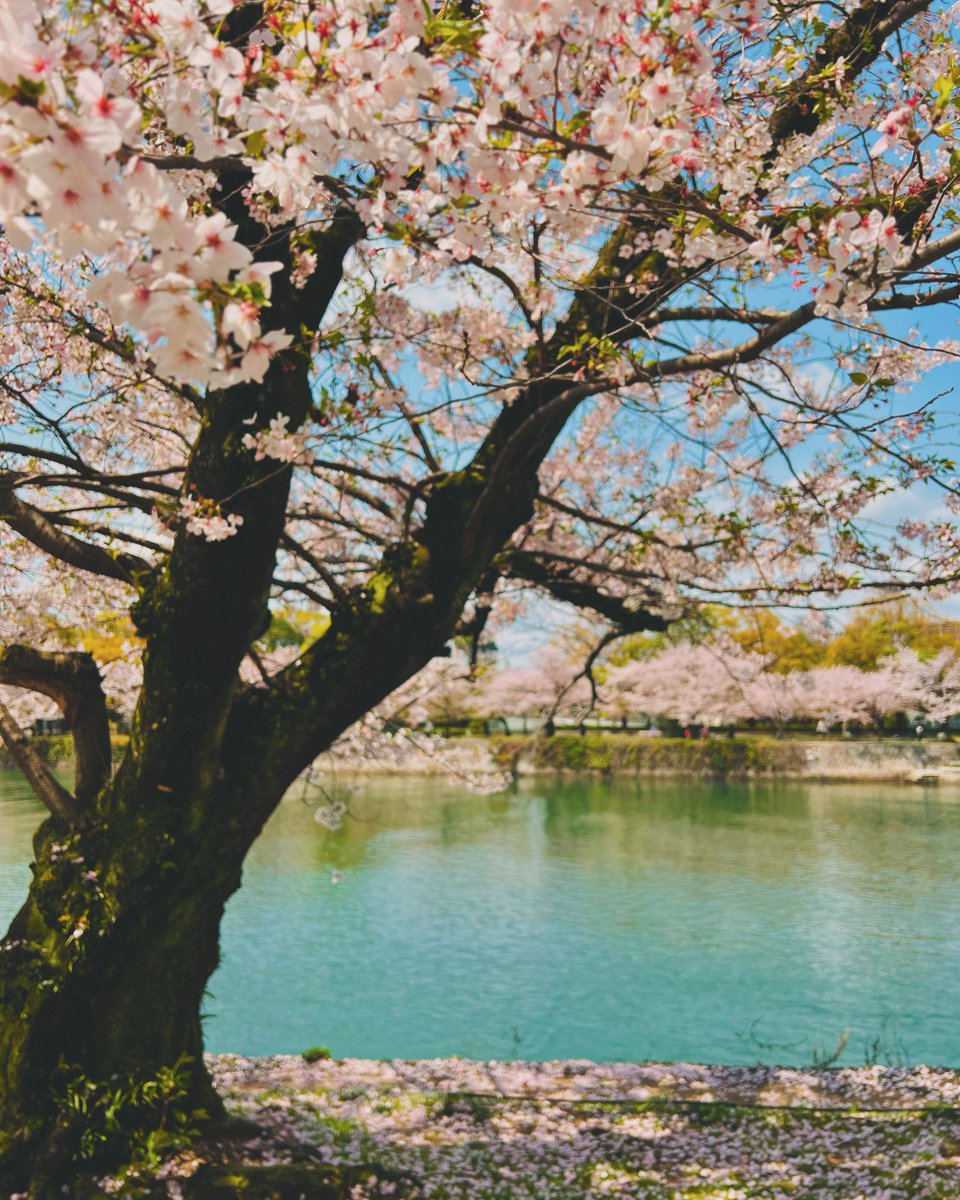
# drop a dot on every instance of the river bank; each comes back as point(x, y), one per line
point(455, 1129)
point(823, 760)
point(484, 762)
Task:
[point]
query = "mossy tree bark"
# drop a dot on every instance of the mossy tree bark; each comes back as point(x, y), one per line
point(103, 969)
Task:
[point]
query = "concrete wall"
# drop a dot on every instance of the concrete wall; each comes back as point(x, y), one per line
point(875, 759)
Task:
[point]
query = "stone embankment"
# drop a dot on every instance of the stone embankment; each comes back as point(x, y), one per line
point(480, 761)
point(876, 760)
point(486, 764)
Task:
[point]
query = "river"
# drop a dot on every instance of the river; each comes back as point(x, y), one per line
point(661, 919)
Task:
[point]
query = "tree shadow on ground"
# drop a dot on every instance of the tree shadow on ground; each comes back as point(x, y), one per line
point(456, 1147)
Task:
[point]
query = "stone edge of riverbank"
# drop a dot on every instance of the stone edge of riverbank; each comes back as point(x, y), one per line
point(822, 761)
point(483, 764)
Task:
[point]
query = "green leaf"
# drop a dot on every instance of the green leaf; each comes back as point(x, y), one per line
point(453, 32)
point(943, 89)
point(255, 142)
point(33, 89)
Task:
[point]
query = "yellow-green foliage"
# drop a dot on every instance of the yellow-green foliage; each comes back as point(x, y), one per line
point(716, 756)
point(871, 635)
point(877, 633)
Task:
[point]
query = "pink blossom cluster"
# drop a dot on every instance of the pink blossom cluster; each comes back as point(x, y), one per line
point(277, 442)
point(93, 114)
point(718, 685)
point(204, 519)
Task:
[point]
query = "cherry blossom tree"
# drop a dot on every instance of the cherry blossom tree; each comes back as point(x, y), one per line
point(706, 684)
point(901, 683)
point(839, 694)
point(551, 686)
point(896, 686)
point(718, 682)
point(930, 688)
point(392, 312)
point(777, 698)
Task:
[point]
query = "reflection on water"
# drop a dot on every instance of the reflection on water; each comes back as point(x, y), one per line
point(20, 814)
point(659, 919)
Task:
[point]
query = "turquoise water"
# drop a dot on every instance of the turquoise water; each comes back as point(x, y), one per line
point(660, 920)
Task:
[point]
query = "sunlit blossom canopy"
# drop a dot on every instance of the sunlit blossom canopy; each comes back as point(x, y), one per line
point(703, 250)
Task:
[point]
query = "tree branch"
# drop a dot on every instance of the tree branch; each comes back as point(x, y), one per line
point(34, 525)
point(858, 41)
point(562, 585)
point(72, 680)
point(338, 593)
point(753, 316)
point(586, 671)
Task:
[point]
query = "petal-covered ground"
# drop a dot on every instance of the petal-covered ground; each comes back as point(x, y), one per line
point(452, 1129)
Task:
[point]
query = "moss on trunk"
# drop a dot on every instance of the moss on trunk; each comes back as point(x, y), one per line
point(101, 979)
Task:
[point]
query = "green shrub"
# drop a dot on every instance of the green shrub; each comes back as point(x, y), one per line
point(316, 1054)
point(714, 756)
point(54, 748)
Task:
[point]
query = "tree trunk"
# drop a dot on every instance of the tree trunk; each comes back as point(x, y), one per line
point(101, 979)
point(103, 971)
